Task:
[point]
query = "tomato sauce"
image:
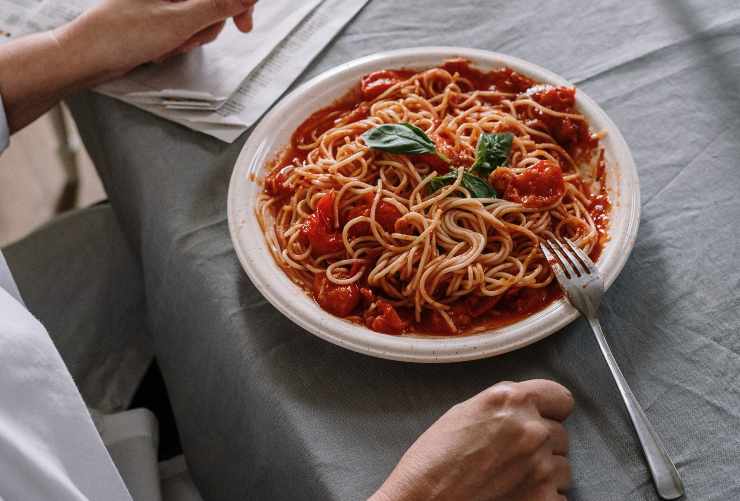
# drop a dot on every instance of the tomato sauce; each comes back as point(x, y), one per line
point(537, 188)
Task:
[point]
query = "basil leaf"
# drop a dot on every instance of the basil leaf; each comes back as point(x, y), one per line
point(477, 187)
point(399, 138)
point(492, 151)
point(439, 182)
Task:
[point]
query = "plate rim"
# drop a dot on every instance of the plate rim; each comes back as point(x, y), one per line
point(433, 349)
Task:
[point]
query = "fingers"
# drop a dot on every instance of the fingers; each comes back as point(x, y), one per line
point(561, 473)
point(205, 36)
point(558, 437)
point(550, 478)
point(203, 13)
point(244, 21)
point(552, 400)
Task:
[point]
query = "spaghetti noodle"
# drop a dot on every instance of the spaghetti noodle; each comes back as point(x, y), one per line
point(416, 203)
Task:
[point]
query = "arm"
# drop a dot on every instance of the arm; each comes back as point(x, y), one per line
point(504, 444)
point(108, 41)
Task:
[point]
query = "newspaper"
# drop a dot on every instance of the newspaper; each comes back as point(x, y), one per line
point(220, 89)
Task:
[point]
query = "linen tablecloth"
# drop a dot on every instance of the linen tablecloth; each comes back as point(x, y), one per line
point(268, 411)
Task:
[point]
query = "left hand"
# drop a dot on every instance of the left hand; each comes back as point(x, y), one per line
point(118, 35)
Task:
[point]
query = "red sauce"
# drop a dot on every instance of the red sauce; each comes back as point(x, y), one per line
point(538, 187)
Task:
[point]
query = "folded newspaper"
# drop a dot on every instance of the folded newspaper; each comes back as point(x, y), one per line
point(222, 88)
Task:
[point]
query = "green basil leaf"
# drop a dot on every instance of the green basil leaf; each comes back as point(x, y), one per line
point(399, 138)
point(439, 182)
point(478, 188)
point(492, 151)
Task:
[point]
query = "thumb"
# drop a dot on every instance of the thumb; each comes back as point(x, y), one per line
point(203, 13)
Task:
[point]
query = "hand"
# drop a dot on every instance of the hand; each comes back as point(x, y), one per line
point(506, 443)
point(111, 39)
point(118, 35)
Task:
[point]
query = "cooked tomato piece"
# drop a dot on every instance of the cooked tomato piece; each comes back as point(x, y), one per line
point(569, 133)
point(457, 155)
point(555, 98)
point(386, 215)
point(360, 209)
point(323, 239)
point(319, 228)
point(386, 319)
point(325, 207)
point(358, 113)
point(377, 82)
point(508, 80)
point(434, 162)
point(340, 300)
point(275, 182)
point(538, 186)
point(368, 296)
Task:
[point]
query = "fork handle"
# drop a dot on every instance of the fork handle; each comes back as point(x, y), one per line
point(667, 480)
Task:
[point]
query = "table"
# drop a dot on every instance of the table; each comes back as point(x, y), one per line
point(268, 411)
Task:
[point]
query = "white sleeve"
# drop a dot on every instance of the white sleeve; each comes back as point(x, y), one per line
point(49, 447)
point(4, 131)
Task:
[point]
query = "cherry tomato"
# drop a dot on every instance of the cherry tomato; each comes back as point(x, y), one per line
point(386, 319)
point(386, 215)
point(538, 186)
point(555, 98)
point(319, 228)
point(325, 208)
point(377, 82)
point(338, 300)
point(275, 182)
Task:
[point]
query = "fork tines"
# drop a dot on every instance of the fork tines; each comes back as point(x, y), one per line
point(567, 260)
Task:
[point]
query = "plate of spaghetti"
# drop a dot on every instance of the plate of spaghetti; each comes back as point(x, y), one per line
point(394, 205)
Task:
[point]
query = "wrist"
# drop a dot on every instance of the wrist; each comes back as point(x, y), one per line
point(399, 488)
point(79, 43)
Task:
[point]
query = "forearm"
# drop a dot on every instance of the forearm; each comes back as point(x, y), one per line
point(38, 70)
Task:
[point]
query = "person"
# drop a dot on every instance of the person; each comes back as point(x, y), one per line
point(506, 443)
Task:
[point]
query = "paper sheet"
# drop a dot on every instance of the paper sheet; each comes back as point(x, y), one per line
point(266, 83)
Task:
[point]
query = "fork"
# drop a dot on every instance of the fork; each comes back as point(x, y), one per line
point(584, 287)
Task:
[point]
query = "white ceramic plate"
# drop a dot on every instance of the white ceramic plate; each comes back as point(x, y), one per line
point(274, 132)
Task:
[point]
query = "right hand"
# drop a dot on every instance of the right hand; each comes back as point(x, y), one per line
point(115, 36)
point(506, 443)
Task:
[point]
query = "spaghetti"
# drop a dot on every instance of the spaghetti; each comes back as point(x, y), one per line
point(416, 203)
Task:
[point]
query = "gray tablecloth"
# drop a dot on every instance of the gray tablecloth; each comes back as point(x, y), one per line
point(267, 411)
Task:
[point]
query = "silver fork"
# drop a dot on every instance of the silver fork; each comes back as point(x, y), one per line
point(584, 287)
